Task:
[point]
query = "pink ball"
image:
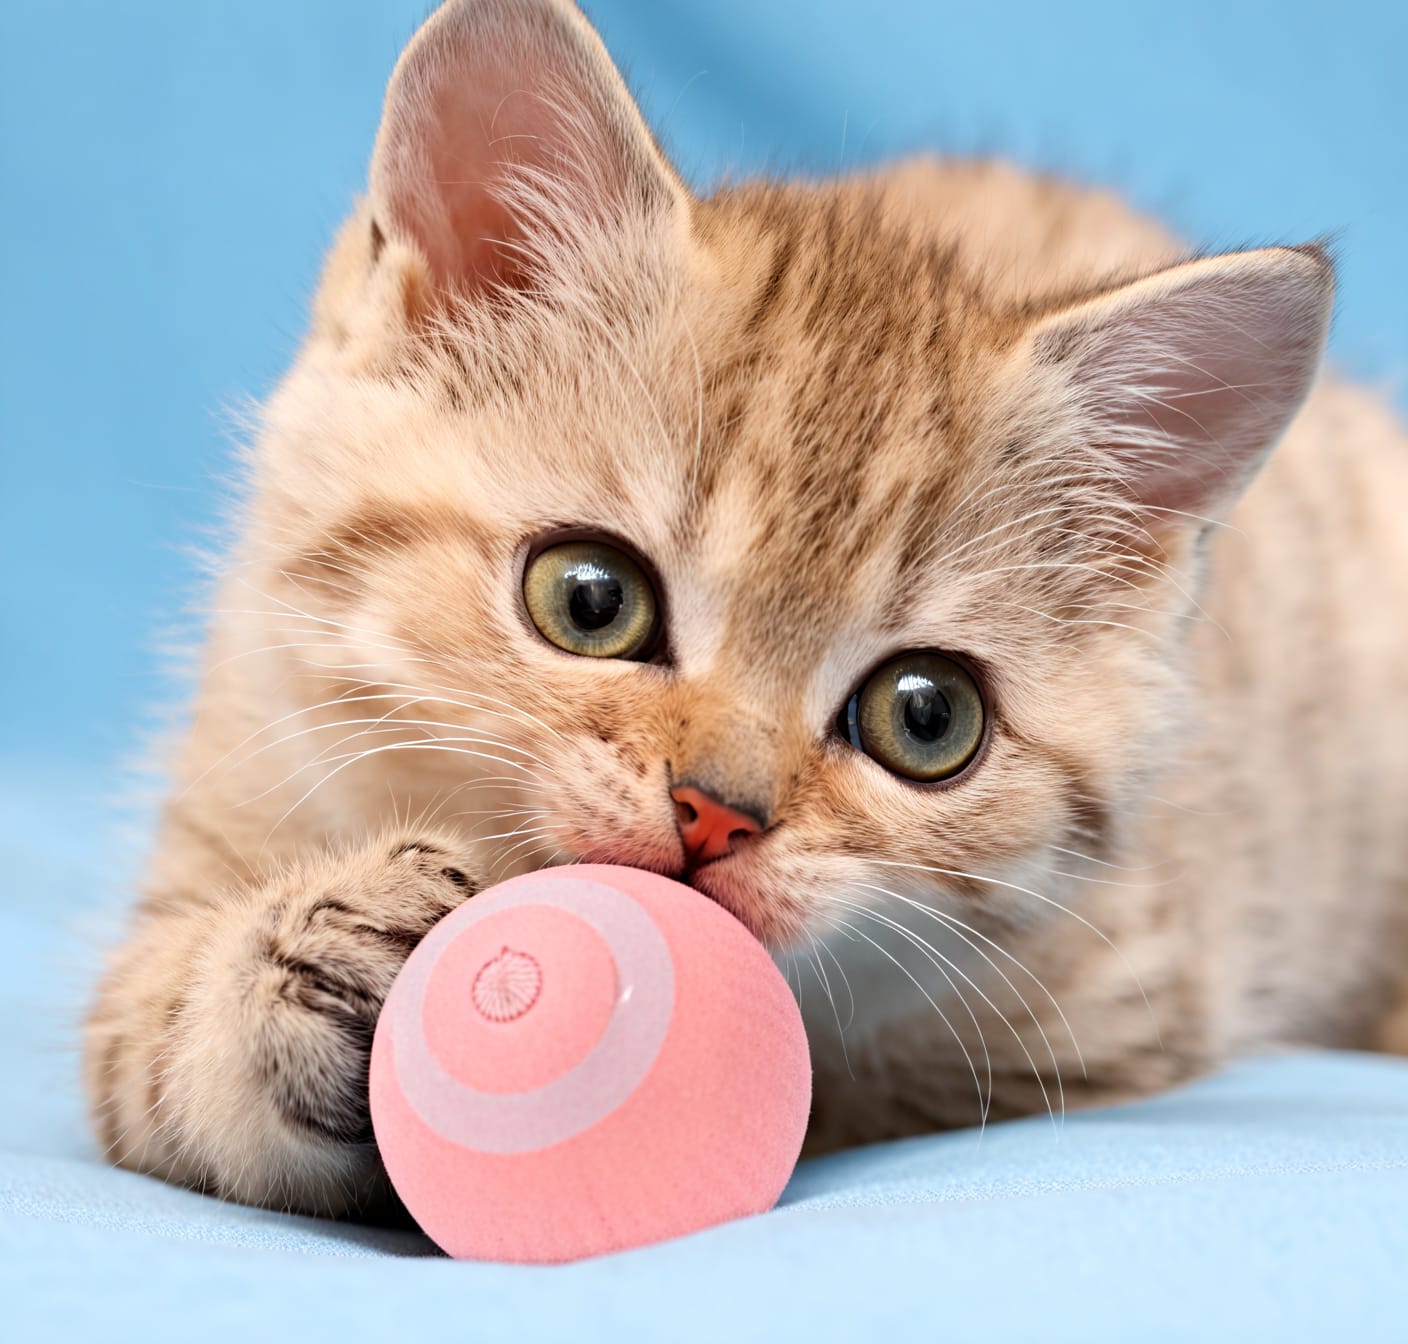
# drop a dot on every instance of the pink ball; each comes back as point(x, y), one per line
point(586, 1059)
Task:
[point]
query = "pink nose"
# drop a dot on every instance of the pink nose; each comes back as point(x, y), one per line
point(708, 827)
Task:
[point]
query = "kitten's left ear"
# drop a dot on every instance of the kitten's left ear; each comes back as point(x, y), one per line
point(506, 131)
point(1187, 379)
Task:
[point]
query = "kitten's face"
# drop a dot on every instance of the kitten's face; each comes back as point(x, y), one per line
point(811, 487)
point(820, 448)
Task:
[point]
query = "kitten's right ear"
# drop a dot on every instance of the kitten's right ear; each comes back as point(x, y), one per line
point(508, 131)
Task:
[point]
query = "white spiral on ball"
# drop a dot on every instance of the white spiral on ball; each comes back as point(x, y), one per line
point(580, 1097)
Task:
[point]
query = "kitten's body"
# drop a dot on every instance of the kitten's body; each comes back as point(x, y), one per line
point(1262, 898)
point(804, 405)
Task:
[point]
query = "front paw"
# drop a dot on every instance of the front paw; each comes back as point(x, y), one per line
point(268, 1084)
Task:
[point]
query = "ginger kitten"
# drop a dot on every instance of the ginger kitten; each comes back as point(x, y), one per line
point(871, 553)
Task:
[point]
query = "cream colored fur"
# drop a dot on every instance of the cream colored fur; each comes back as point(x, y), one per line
point(922, 408)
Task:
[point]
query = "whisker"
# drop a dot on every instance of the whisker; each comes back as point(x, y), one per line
point(1105, 863)
point(962, 931)
point(422, 743)
point(943, 1017)
point(1036, 895)
point(820, 972)
point(437, 745)
point(417, 695)
point(379, 636)
point(935, 957)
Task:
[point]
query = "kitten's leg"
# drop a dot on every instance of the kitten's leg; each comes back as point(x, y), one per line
point(228, 1047)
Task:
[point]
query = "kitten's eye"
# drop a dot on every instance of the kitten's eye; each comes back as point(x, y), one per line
point(590, 598)
point(920, 715)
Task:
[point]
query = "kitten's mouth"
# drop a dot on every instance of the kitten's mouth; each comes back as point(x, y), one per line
point(706, 878)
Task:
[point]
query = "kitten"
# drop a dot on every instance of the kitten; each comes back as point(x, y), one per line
point(852, 549)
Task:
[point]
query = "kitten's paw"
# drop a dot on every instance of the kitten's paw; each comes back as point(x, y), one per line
point(264, 1090)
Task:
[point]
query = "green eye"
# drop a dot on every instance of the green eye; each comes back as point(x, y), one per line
point(920, 716)
point(593, 599)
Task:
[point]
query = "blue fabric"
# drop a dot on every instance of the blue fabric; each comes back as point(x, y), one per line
point(171, 174)
point(1266, 1204)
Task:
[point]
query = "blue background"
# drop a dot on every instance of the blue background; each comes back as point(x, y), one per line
point(172, 172)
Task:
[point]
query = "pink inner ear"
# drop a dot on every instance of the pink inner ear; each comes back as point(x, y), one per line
point(506, 127)
point(1199, 428)
point(475, 137)
point(1193, 376)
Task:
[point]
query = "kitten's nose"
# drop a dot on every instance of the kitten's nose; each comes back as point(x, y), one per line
point(708, 827)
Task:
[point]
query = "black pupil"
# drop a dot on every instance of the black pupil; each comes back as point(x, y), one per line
point(596, 601)
point(926, 713)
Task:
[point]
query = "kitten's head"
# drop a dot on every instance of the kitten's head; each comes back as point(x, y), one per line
point(754, 537)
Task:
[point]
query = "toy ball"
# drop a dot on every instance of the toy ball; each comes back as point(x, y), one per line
point(586, 1059)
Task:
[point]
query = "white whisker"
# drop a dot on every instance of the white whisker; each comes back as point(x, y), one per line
point(1047, 900)
point(967, 933)
point(943, 1017)
point(820, 971)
